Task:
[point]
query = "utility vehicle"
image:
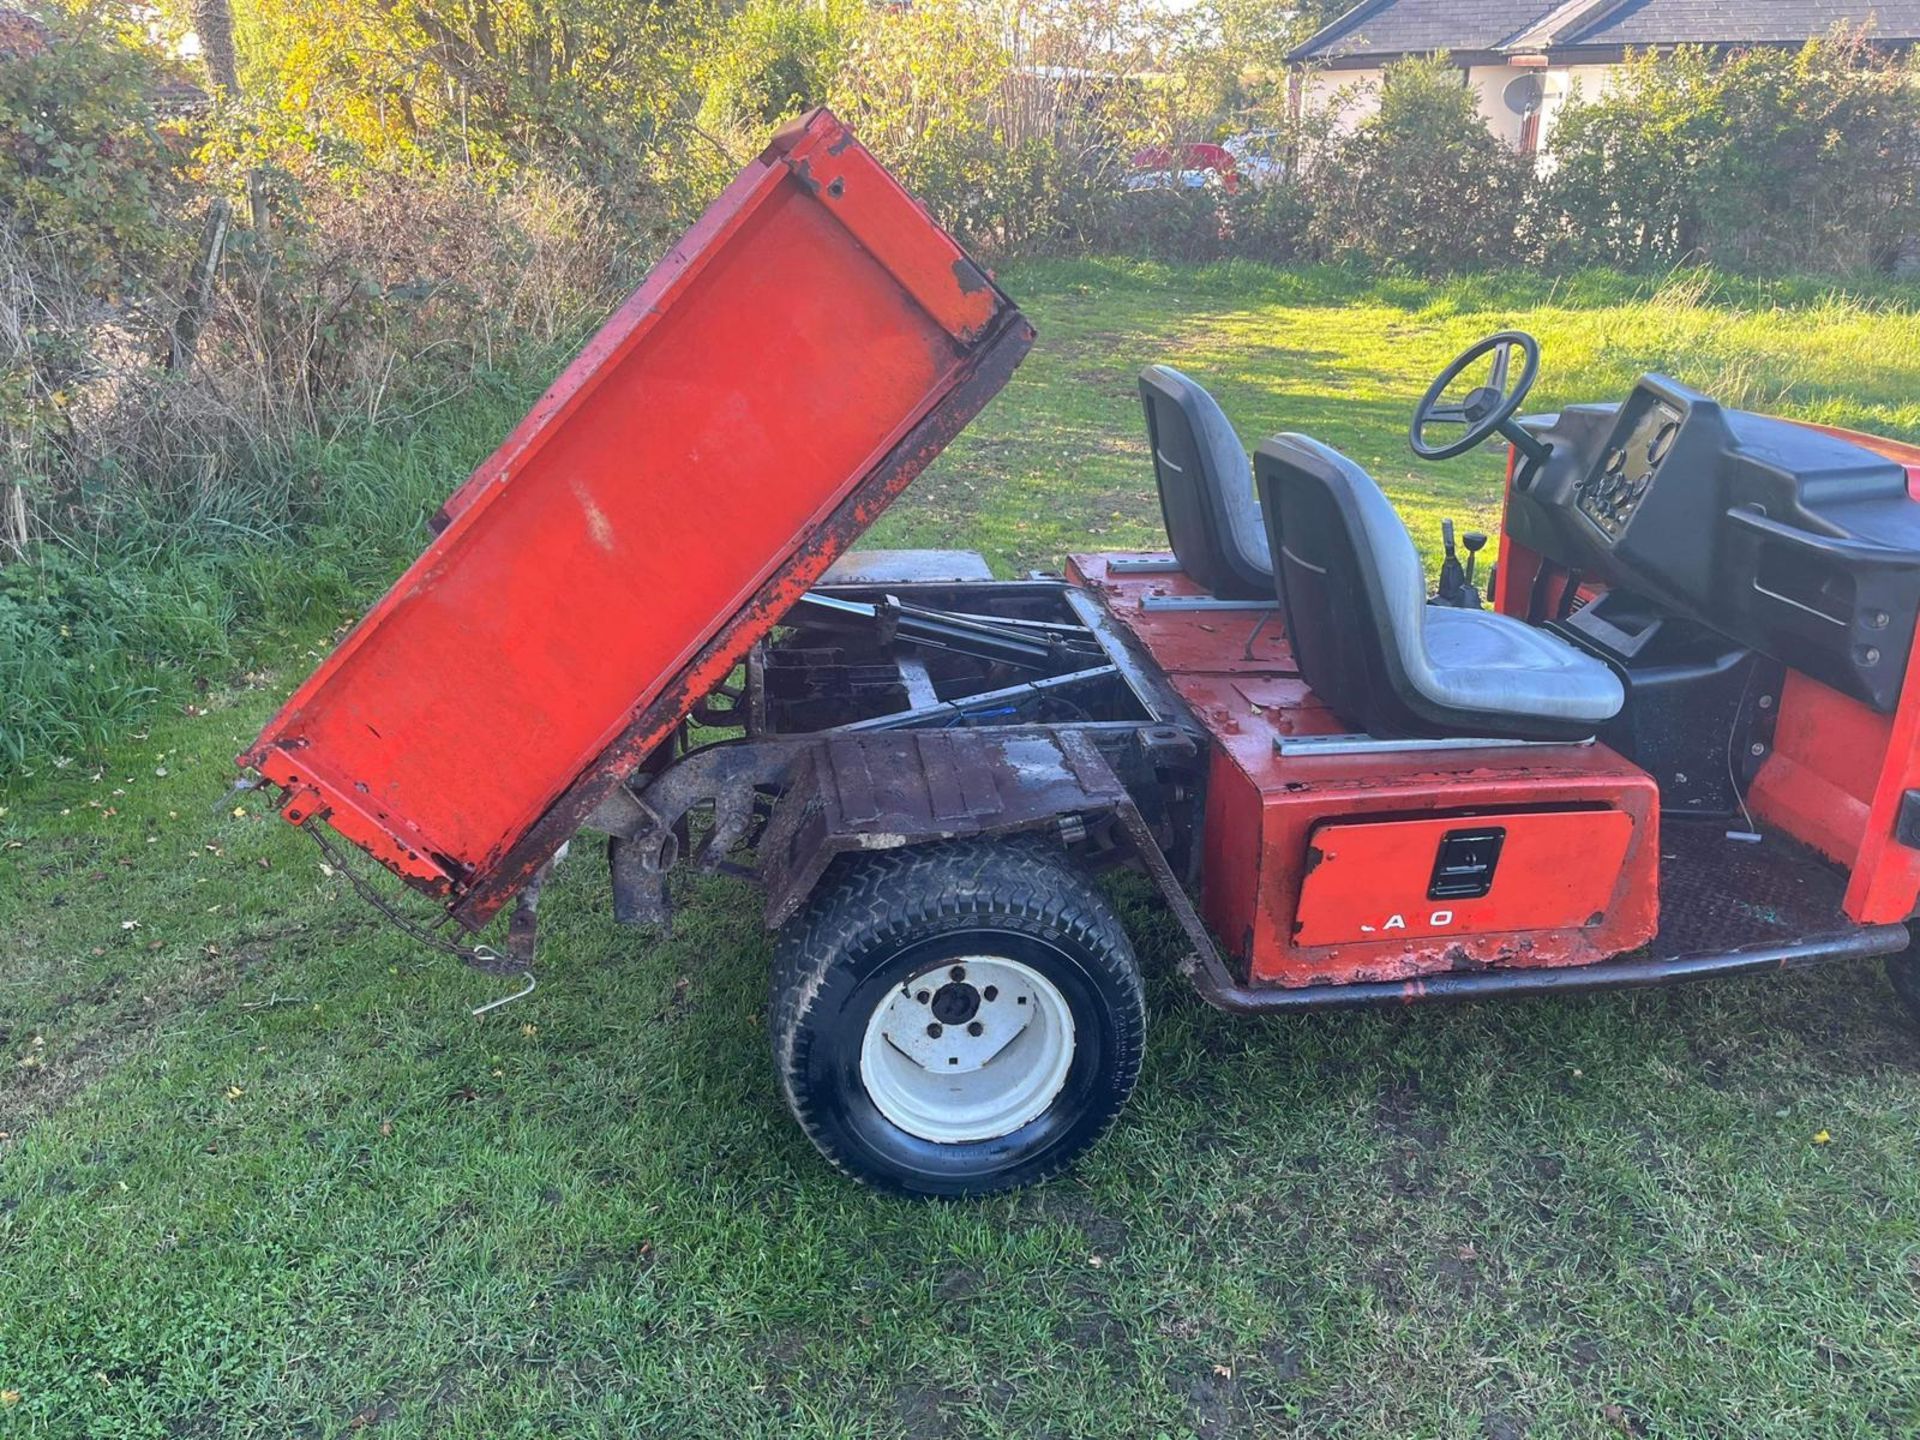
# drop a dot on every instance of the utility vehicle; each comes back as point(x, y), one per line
point(1681, 741)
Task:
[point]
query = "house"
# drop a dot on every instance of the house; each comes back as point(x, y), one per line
point(1524, 58)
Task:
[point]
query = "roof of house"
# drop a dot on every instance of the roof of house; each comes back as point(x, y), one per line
point(1383, 29)
point(1679, 22)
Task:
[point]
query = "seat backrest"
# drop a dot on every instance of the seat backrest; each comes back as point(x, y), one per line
point(1213, 521)
point(1349, 580)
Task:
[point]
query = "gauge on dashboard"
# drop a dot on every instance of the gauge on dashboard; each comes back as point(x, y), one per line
point(1611, 494)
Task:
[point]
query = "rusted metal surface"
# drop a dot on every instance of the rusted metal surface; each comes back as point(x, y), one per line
point(1212, 642)
point(883, 791)
point(790, 366)
point(1370, 880)
point(725, 783)
point(1731, 908)
point(1237, 678)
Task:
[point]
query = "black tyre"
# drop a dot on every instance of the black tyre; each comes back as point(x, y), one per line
point(958, 1018)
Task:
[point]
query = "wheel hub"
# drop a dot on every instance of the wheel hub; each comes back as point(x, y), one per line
point(955, 1003)
point(968, 1049)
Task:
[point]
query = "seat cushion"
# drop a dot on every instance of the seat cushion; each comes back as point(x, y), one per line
point(1479, 661)
point(1384, 660)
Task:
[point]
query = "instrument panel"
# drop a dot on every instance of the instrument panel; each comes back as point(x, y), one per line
point(1610, 495)
point(1790, 540)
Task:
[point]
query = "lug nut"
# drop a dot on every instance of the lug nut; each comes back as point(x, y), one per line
point(935, 1030)
point(975, 1028)
point(992, 992)
point(959, 972)
point(923, 997)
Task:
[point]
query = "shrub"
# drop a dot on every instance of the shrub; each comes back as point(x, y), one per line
point(392, 289)
point(1769, 159)
point(1170, 224)
point(774, 59)
point(1006, 132)
point(1269, 222)
point(1421, 183)
point(89, 221)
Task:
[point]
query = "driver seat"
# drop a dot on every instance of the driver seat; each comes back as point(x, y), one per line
point(1354, 598)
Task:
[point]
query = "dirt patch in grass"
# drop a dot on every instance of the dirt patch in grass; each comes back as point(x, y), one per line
point(112, 1026)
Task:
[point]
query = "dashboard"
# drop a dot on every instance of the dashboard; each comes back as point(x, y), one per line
point(1789, 540)
point(1611, 492)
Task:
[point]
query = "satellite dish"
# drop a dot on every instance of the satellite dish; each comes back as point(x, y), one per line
point(1522, 94)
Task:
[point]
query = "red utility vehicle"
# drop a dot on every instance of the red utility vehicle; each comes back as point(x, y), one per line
point(1681, 742)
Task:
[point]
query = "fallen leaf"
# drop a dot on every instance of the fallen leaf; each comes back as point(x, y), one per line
point(234, 1092)
point(1821, 1137)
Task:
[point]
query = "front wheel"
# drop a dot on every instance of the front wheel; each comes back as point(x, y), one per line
point(958, 1018)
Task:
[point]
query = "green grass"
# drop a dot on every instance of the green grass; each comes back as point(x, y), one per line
point(264, 1176)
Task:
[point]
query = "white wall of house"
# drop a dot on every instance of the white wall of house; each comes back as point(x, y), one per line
point(1489, 84)
point(1353, 95)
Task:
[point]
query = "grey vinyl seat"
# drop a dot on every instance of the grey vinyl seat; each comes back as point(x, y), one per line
point(1354, 597)
point(1206, 488)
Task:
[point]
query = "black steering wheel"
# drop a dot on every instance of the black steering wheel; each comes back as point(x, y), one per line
point(1489, 408)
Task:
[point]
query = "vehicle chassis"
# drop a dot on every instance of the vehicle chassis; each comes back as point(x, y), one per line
point(1125, 787)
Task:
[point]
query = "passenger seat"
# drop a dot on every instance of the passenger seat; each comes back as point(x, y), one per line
point(1206, 488)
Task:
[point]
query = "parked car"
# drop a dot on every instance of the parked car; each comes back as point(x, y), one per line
point(1259, 156)
point(1184, 167)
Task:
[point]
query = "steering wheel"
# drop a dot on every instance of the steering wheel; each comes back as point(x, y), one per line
point(1488, 409)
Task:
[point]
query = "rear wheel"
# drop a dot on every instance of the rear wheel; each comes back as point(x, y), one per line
point(956, 1019)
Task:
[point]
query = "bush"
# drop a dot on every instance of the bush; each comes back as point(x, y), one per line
point(1007, 134)
point(1171, 224)
point(1765, 160)
point(1421, 183)
point(90, 221)
point(774, 59)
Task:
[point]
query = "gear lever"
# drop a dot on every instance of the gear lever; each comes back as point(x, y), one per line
point(1475, 542)
point(1455, 586)
point(1452, 577)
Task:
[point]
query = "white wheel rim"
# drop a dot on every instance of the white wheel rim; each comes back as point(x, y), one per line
point(953, 1068)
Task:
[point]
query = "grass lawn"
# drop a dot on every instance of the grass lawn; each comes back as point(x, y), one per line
point(262, 1175)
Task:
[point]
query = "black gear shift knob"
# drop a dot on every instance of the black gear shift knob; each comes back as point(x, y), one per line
point(1475, 541)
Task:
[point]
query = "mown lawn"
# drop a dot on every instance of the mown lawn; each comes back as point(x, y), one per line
point(262, 1175)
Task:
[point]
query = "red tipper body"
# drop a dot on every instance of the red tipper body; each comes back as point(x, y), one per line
point(781, 375)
